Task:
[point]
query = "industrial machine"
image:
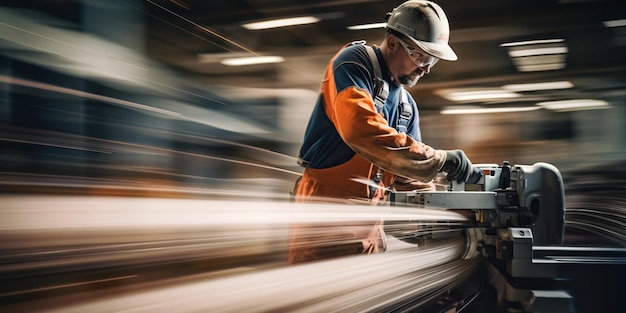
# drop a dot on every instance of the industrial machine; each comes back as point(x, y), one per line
point(516, 222)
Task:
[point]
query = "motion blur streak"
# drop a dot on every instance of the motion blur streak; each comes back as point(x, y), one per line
point(210, 255)
point(187, 112)
point(79, 93)
point(332, 286)
point(596, 203)
point(77, 142)
point(213, 33)
point(59, 211)
point(81, 53)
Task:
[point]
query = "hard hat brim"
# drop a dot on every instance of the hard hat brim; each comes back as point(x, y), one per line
point(441, 51)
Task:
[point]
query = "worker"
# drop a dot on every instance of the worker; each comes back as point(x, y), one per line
point(352, 143)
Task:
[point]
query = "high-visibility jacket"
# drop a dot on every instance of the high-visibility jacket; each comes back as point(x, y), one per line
point(347, 140)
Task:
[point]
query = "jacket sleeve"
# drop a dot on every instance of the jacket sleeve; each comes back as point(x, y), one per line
point(367, 133)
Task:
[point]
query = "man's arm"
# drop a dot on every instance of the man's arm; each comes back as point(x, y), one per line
point(368, 134)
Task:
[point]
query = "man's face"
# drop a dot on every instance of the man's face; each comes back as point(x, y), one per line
point(415, 63)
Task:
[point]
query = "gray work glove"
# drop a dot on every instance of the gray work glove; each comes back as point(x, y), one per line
point(457, 165)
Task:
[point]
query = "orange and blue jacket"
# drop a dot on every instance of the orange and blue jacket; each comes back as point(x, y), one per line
point(346, 139)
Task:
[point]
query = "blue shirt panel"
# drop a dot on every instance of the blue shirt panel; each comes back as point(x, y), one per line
point(322, 146)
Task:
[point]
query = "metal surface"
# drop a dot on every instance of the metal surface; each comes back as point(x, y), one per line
point(517, 196)
point(463, 200)
point(517, 224)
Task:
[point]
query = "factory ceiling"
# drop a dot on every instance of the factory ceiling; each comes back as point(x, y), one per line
point(499, 43)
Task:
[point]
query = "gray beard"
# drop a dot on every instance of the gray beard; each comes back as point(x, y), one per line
point(407, 81)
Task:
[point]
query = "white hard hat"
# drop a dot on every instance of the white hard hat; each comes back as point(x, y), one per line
point(425, 23)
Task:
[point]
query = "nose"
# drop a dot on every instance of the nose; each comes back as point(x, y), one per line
point(423, 69)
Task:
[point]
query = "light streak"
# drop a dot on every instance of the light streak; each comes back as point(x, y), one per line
point(70, 212)
point(55, 145)
point(362, 283)
point(56, 235)
point(80, 93)
point(80, 50)
point(202, 27)
point(66, 285)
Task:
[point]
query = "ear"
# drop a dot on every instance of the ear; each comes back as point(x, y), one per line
point(393, 43)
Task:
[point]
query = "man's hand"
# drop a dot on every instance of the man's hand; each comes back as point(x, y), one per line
point(457, 165)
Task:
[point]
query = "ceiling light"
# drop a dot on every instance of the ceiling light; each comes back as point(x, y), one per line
point(537, 51)
point(367, 26)
point(537, 55)
point(538, 64)
point(481, 110)
point(218, 57)
point(618, 31)
point(615, 23)
point(252, 60)
point(473, 95)
point(574, 105)
point(531, 42)
point(539, 86)
point(283, 22)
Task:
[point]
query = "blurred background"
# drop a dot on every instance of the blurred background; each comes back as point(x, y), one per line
point(154, 92)
point(150, 93)
point(196, 99)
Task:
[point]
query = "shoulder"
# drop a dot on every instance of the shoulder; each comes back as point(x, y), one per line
point(355, 54)
point(351, 67)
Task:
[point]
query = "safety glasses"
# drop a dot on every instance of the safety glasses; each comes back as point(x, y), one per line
point(419, 57)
